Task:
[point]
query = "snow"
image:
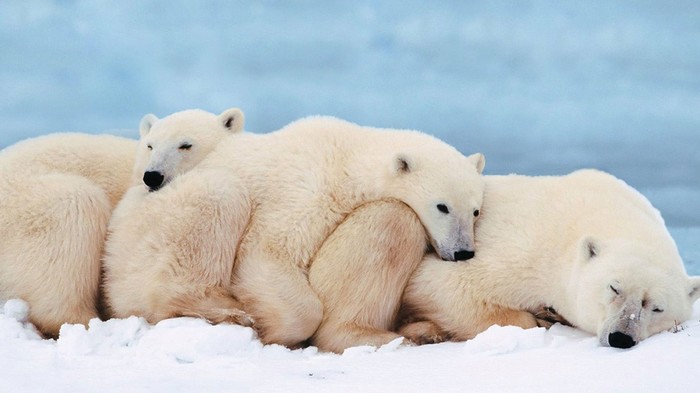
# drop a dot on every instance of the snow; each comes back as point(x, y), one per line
point(17, 309)
point(186, 354)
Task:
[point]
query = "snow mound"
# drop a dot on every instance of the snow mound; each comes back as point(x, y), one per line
point(499, 340)
point(183, 340)
point(17, 309)
point(188, 340)
point(13, 322)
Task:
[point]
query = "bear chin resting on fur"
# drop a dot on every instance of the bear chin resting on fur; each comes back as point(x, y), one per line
point(586, 245)
point(270, 201)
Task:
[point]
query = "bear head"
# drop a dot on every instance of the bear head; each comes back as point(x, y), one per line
point(446, 192)
point(175, 144)
point(626, 291)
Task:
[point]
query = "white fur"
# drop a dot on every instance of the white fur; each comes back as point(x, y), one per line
point(56, 195)
point(177, 143)
point(294, 187)
point(561, 242)
point(361, 271)
point(171, 146)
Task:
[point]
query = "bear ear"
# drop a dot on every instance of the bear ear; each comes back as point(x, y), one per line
point(589, 248)
point(694, 288)
point(146, 124)
point(479, 161)
point(232, 119)
point(403, 163)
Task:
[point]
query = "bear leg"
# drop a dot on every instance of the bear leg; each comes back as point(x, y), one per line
point(429, 332)
point(493, 314)
point(278, 297)
point(361, 271)
point(216, 305)
point(423, 332)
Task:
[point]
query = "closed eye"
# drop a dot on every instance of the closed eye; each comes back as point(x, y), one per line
point(656, 309)
point(185, 146)
point(617, 291)
point(149, 147)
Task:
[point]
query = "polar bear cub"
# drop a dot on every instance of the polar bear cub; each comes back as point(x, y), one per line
point(175, 144)
point(270, 201)
point(168, 148)
point(586, 244)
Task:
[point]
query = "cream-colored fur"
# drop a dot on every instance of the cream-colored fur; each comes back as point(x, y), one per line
point(138, 279)
point(361, 271)
point(177, 143)
point(586, 244)
point(303, 181)
point(56, 196)
point(278, 196)
point(170, 253)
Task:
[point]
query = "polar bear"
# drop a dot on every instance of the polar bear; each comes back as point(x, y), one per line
point(271, 200)
point(586, 244)
point(168, 148)
point(56, 195)
point(172, 146)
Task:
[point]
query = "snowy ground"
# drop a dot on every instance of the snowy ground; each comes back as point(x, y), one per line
point(188, 355)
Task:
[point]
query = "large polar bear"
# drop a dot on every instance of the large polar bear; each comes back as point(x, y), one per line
point(56, 195)
point(585, 244)
point(271, 200)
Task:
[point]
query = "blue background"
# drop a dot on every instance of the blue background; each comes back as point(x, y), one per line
point(541, 87)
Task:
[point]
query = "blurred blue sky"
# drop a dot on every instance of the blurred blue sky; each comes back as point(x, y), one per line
point(541, 87)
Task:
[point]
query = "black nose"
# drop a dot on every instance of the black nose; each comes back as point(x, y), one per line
point(153, 179)
point(620, 340)
point(463, 255)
